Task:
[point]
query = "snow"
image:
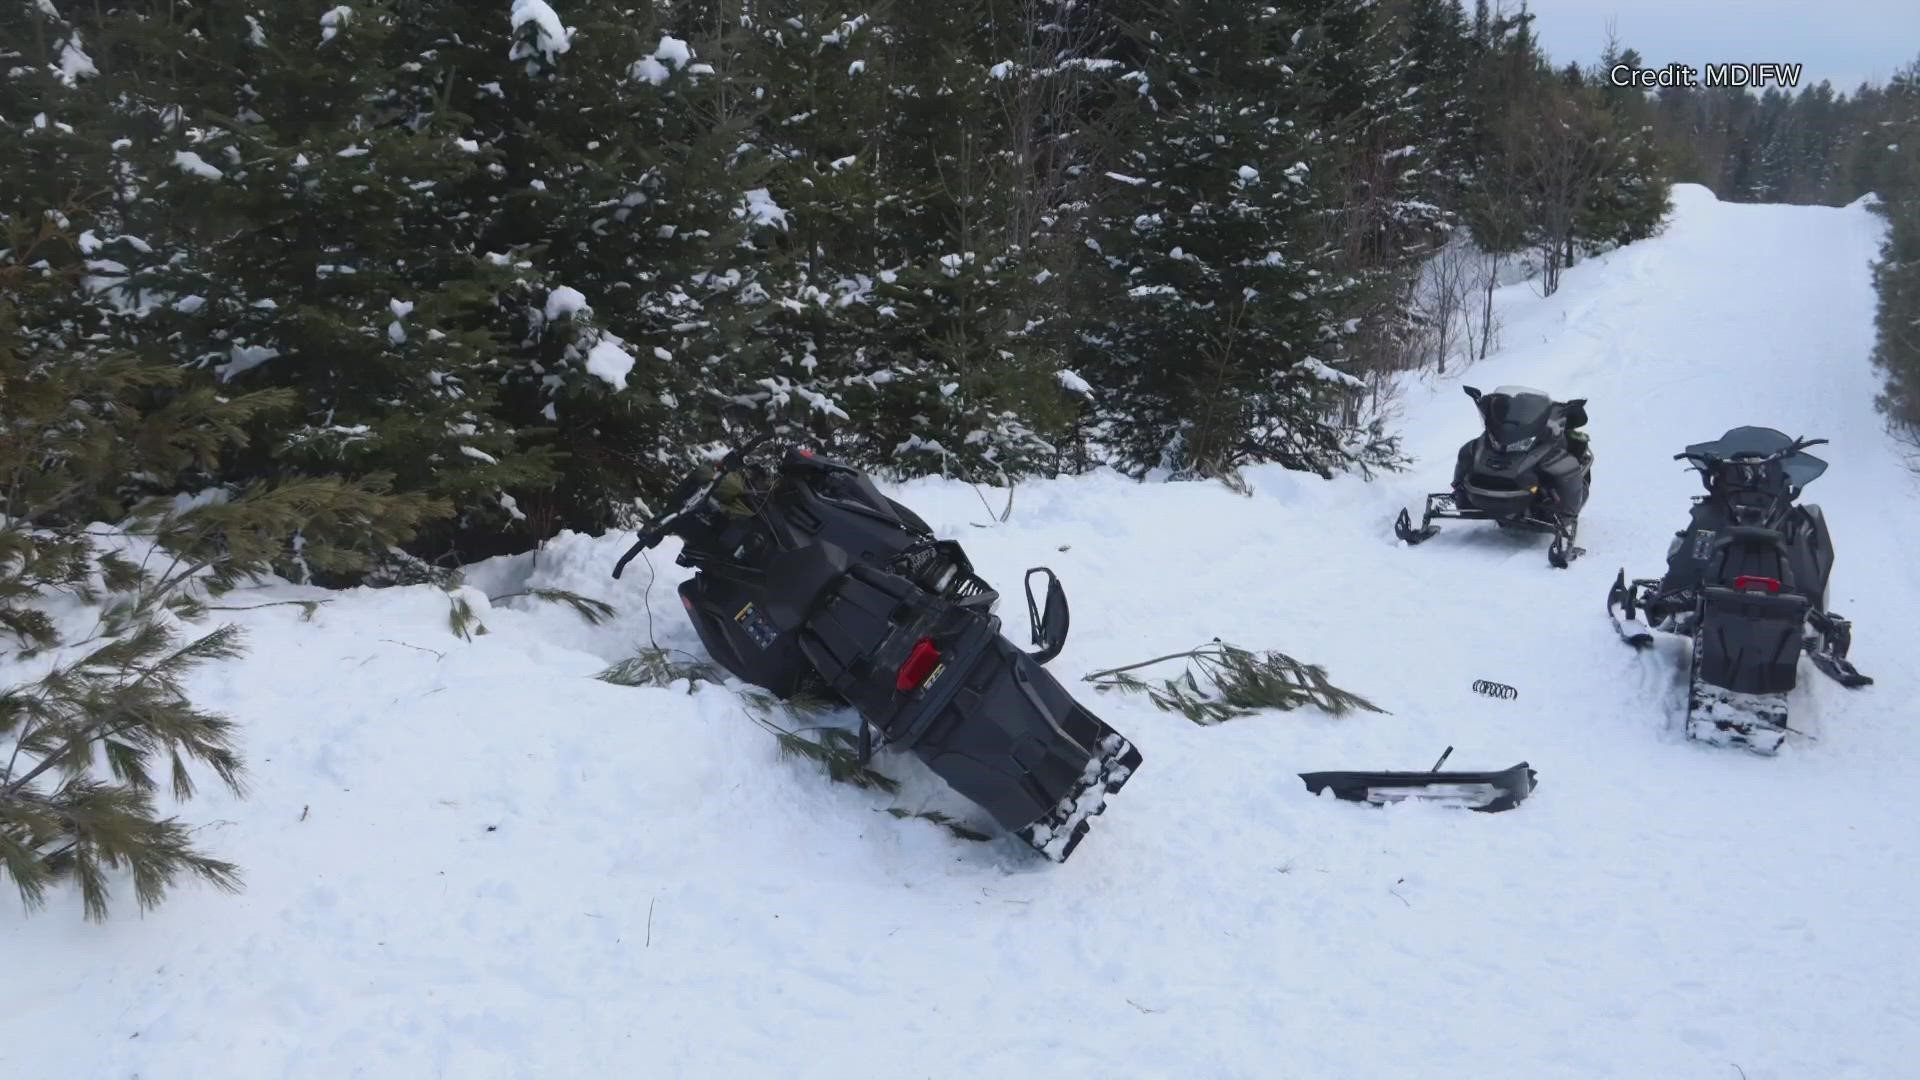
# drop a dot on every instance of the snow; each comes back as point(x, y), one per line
point(550, 38)
point(243, 358)
point(1247, 174)
point(479, 455)
point(610, 363)
point(331, 22)
point(1321, 370)
point(761, 208)
point(463, 856)
point(565, 300)
point(1073, 382)
point(194, 165)
point(658, 68)
point(75, 64)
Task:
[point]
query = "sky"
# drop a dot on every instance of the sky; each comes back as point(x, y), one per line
point(1843, 41)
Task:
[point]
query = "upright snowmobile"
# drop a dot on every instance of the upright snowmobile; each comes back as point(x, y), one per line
point(1530, 469)
point(1747, 582)
point(808, 578)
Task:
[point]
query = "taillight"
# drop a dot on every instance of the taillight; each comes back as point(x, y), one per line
point(919, 664)
point(1752, 581)
point(686, 601)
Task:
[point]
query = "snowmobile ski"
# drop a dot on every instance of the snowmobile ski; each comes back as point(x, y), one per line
point(1488, 792)
point(1620, 598)
point(1562, 552)
point(1828, 647)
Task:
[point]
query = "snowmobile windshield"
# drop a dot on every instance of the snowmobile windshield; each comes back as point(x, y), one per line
point(1800, 468)
point(1516, 417)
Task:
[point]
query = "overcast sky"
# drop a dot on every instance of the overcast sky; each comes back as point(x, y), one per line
point(1842, 41)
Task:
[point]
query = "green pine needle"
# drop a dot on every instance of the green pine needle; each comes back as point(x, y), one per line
point(1237, 683)
point(660, 667)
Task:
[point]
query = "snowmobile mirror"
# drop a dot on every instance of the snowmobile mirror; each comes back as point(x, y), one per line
point(1472, 392)
point(1050, 625)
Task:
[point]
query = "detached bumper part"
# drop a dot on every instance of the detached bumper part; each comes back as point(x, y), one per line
point(1489, 792)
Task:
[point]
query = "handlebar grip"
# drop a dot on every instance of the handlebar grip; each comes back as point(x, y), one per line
point(647, 540)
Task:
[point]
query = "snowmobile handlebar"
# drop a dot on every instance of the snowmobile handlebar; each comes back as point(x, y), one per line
point(1708, 459)
point(687, 498)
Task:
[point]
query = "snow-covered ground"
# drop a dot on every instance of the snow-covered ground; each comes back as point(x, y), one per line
point(470, 859)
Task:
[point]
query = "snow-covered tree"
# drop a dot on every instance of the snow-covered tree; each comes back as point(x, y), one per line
point(1209, 317)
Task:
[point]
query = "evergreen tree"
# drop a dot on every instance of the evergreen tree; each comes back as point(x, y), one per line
point(620, 188)
point(96, 433)
point(311, 245)
point(1896, 274)
point(1208, 310)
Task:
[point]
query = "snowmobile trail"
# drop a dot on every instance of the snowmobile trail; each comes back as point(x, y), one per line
point(469, 858)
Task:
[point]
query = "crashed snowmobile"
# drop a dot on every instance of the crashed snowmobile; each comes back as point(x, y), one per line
point(1747, 582)
point(807, 577)
point(1530, 469)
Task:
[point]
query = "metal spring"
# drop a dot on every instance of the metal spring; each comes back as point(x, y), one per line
point(1494, 689)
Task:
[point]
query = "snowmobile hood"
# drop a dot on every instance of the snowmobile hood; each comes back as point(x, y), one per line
point(1516, 417)
point(1800, 467)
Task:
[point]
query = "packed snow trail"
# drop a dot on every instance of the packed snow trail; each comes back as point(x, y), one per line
point(469, 859)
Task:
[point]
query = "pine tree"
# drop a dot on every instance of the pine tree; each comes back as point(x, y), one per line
point(1896, 274)
point(286, 169)
point(1209, 314)
point(86, 725)
point(618, 137)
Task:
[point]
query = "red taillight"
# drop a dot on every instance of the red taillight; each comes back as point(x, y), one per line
point(1750, 581)
point(919, 664)
point(686, 601)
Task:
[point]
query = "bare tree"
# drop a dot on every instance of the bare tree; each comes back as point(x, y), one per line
point(1558, 148)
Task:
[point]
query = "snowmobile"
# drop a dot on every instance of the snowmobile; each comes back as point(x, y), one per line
point(1746, 581)
point(808, 578)
point(1530, 469)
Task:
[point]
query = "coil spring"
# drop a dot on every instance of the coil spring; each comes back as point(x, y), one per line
point(1496, 690)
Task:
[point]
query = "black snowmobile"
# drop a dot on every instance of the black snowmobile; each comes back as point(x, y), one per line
point(1531, 469)
point(809, 578)
point(1746, 581)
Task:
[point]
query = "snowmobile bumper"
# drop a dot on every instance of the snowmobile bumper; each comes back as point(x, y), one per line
point(1489, 792)
point(979, 711)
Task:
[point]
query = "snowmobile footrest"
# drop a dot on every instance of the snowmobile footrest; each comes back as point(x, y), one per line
point(1489, 792)
point(1060, 831)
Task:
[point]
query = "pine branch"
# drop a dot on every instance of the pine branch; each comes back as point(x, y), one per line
point(1237, 683)
point(660, 667)
point(942, 820)
point(594, 611)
